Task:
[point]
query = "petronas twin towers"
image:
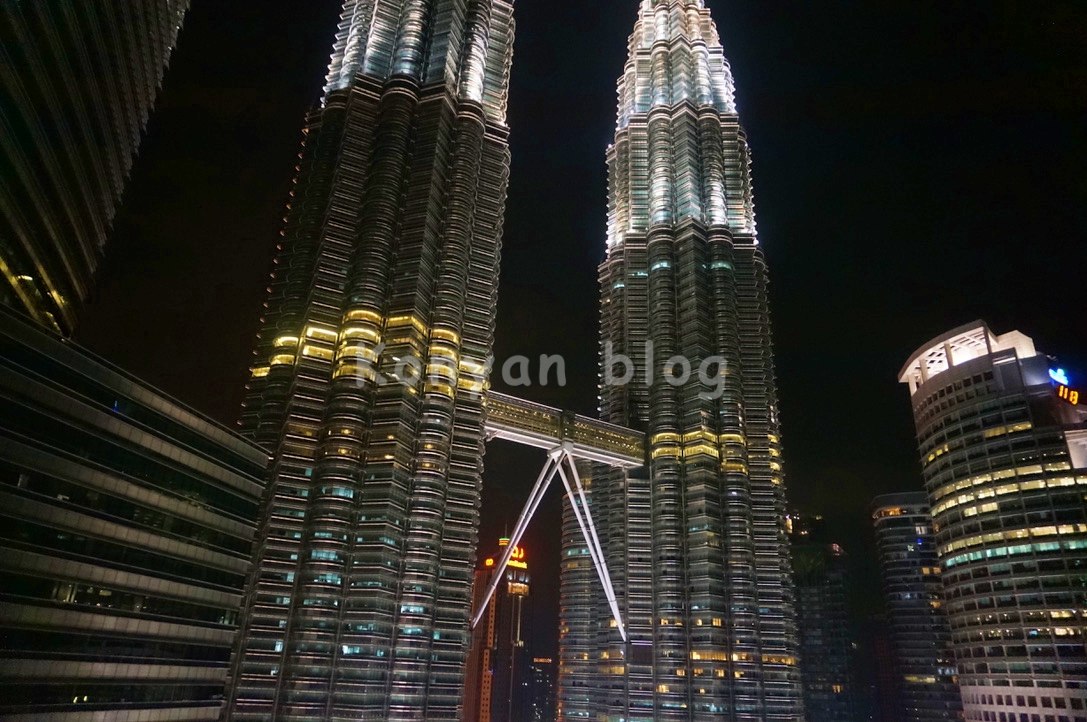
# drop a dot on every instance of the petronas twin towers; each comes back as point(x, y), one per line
point(370, 384)
point(695, 546)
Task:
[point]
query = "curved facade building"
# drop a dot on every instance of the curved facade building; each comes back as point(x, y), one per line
point(79, 82)
point(126, 531)
point(925, 682)
point(370, 369)
point(697, 543)
point(1003, 443)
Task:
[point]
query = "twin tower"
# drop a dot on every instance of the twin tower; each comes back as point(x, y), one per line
point(370, 383)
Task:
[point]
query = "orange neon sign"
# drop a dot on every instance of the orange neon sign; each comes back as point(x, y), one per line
point(1069, 395)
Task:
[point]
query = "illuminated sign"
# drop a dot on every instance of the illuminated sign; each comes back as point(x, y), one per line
point(1060, 376)
point(1069, 395)
point(517, 556)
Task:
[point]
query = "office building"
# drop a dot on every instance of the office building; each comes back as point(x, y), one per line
point(881, 703)
point(126, 532)
point(498, 677)
point(370, 369)
point(79, 83)
point(541, 699)
point(696, 543)
point(821, 576)
point(926, 685)
point(1002, 437)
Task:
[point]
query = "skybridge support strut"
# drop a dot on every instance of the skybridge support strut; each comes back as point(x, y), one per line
point(575, 492)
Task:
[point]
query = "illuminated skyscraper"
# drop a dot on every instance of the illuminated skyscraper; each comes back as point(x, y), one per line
point(1002, 436)
point(497, 679)
point(697, 544)
point(925, 686)
point(360, 602)
point(79, 82)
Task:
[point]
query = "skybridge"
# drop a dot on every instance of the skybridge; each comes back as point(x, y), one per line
point(567, 438)
point(545, 427)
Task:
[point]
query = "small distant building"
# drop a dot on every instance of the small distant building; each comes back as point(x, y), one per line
point(883, 704)
point(826, 641)
point(926, 683)
point(542, 681)
point(499, 676)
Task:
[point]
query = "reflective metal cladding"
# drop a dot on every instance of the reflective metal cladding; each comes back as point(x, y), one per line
point(360, 602)
point(696, 542)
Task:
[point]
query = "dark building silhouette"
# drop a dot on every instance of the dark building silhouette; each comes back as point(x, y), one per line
point(543, 678)
point(126, 534)
point(881, 703)
point(821, 576)
point(79, 82)
point(499, 677)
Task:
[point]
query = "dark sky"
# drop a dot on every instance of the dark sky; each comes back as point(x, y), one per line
point(918, 165)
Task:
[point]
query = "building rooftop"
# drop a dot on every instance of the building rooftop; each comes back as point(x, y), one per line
point(965, 343)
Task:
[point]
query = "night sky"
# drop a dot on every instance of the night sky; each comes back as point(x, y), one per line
point(918, 165)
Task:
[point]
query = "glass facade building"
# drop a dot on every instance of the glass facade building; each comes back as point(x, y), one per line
point(696, 543)
point(925, 685)
point(370, 370)
point(1002, 437)
point(126, 530)
point(79, 82)
point(498, 678)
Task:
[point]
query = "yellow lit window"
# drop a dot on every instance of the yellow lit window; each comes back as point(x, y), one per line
point(317, 352)
point(366, 332)
point(363, 315)
point(322, 333)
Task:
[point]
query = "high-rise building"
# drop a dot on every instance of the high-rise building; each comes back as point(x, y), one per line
point(497, 678)
point(821, 575)
point(541, 698)
point(370, 369)
point(79, 82)
point(126, 531)
point(881, 703)
point(696, 544)
point(1003, 445)
point(926, 686)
